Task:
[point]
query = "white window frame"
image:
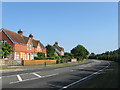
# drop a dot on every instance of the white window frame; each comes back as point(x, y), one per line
point(25, 56)
point(30, 46)
point(32, 57)
point(27, 47)
point(28, 56)
point(18, 56)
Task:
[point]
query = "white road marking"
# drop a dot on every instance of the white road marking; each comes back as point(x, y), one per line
point(33, 78)
point(85, 77)
point(19, 78)
point(37, 75)
point(0, 77)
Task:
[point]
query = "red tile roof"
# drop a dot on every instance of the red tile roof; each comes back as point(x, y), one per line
point(20, 39)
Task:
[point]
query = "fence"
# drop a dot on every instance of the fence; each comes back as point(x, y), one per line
point(38, 62)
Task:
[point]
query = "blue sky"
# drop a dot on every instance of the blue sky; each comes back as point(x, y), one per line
point(93, 25)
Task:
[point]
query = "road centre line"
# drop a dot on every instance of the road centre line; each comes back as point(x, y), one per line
point(19, 78)
point(84, 78)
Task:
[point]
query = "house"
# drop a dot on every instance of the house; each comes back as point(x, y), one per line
point(58, 50)
point(23, 47)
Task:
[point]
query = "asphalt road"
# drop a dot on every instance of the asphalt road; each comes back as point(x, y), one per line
point(57, 78)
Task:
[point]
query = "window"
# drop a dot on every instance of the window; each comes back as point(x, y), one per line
point(27, 47)
point(30, 46)
point(18, 56)
point(28, 57)
point(25, 56)
point(31, 56)
point(38, 48)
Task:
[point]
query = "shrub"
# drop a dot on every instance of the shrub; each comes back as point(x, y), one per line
point(36, 58)
point(79, 58)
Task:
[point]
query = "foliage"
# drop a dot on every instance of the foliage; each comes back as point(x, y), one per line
point(68, 55)
point(40, 56)
point(50, 50)
point(108, 55)
point(36, 58)
point(79, 52)
point(7, 49)
point(58, 58)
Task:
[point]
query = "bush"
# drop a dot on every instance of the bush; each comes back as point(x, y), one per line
point(58, 58)
point(61, 61)
point(79, 58)
point(36, 58)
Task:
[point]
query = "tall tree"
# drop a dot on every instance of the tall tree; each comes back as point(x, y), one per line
point(50, 50)
point(79, 51)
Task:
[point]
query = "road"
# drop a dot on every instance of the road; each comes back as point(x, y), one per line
point(57, 77)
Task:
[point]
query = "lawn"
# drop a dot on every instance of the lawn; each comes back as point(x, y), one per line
point(47, 66)
point(61, 64)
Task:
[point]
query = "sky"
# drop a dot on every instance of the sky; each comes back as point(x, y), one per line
point(91, 24)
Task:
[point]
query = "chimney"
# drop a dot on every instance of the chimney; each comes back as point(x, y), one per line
point(20, 32)
point(56, 43)
point(31, 36)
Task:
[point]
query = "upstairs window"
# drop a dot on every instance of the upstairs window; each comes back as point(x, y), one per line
point(38, 48)
point(27, 47)
point(30, 46)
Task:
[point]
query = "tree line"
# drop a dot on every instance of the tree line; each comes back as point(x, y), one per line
point(108, 55)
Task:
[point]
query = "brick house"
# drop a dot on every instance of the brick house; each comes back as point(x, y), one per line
point(23, 47)
point(58, 50)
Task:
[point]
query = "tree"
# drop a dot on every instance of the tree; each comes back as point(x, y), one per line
point(50, 50)
point(41, 55)
point(79, 51)
point(7, 49)
point(68, 55)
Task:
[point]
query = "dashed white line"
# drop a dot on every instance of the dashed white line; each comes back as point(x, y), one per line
point(19, 78)
point(36, 75)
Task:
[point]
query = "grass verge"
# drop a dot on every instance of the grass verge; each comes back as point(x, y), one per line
point(61, 64)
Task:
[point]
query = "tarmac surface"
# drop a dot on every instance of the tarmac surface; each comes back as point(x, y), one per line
point(57, 77)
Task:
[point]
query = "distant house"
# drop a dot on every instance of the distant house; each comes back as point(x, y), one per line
point(58, 50)
point(23, 47)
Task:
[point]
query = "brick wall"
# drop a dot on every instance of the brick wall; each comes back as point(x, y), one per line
point(38, 62)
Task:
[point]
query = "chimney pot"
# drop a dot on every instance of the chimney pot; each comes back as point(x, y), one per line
point(56, 43)
point(20, 32)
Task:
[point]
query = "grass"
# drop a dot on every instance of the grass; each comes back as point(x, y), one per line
point(61, 64)
point(3, 68)
point(106, 79)
point(47, 66)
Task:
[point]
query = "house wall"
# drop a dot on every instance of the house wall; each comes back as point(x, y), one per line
point(22, 49)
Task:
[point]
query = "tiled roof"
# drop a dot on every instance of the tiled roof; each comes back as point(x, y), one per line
point(60, 48)
point(20, 39)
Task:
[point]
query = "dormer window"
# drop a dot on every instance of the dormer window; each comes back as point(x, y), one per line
point(30, 46)
point(27, 47)
point(38, 48)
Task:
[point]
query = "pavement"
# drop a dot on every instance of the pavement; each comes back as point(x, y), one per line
point(55, 77)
